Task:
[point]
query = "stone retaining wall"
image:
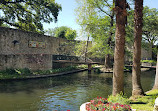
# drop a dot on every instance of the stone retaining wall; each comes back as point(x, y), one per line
point(22, 49)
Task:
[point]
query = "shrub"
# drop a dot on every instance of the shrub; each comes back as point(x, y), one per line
point(24, 71)
point(119, 98)
point(10, 71)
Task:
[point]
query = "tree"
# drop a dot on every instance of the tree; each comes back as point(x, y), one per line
point(150, 29)
point(118, 70)
point(136, 70)
point(70, 34)
point(150, 23)
point(156, 76)
point(62, 32)
point(97, 18)
point(28, 14)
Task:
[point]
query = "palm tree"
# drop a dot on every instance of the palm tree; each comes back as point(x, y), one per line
point(118, 75)
point(156, 76)
point(136, 71)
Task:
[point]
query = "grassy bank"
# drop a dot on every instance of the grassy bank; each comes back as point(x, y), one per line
point(23, 73)
point(145, 103)
point(139, 103)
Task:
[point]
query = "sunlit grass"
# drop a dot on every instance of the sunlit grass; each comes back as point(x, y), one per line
point(145, 103)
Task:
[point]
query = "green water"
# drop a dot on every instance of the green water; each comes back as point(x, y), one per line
point(62, 93)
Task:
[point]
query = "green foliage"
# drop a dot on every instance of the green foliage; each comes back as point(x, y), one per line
point(153, 92)
point(102, 104)
point(97, 21)
point(80, 48)
point(82, 66)
point(10, 71)
point(128, 68)
point(149, 101)
point(70, 34)
point(130, 29)
point(146, 45)
point(149, 61)
point(100, 48)
point(22, 73)
point(119, 98)
point(41, 72)
point(97, 70)
point(28, 14)
point(52, 71)
point(62, 32)
point(150, 29)
point(150, 23)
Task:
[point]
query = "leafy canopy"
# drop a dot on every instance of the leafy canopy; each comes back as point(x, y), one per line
point(62, 32)
point(96, 18)
point(150, 25)
point(28, 14)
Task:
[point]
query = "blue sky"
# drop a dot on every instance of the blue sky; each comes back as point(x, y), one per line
point(67, 16)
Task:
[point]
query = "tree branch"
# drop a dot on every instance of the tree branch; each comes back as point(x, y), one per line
point(101, 8)
point(12, 24)
point(107, 3)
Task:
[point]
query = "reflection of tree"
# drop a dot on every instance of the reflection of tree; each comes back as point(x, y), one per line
point(147, 79)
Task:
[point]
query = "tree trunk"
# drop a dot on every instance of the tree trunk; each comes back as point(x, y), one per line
point(156, 76)
point(107, 61)
point(136, 70)
point(86, 48)
point(118, 74)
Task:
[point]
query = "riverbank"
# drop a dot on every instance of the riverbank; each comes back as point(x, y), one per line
point(126, 69)
point(135, 103)
point(21, 74)
point(144, 103)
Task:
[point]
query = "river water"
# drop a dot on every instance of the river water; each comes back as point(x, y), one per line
point(62, 93)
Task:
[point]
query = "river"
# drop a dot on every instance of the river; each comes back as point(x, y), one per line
point(62, 93)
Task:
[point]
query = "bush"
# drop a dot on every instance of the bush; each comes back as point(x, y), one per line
point(10, 71)
point(24, 71)
point(119, 98)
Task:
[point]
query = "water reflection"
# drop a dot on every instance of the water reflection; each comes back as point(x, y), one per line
point(62, 92)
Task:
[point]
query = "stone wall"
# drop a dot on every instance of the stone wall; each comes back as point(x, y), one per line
point(145, 54)
point(31, 61)
point(22, 49)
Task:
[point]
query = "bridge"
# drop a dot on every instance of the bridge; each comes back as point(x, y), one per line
point(73, 59)
point(79, 60)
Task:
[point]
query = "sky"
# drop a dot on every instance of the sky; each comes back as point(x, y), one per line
point(67, 16)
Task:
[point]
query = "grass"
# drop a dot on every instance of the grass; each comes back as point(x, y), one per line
point(119, 98)
point(149, 61)
point(22, 73)
point(140, 103)
point(144, 103)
